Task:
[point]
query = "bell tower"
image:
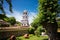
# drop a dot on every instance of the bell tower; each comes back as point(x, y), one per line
point(24, 20)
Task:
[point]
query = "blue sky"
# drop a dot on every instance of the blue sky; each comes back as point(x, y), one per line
point(19, 6)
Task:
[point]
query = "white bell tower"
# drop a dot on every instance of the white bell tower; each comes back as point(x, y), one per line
point(24, 21)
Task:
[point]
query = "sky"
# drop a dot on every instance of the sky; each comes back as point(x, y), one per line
point(19, 6)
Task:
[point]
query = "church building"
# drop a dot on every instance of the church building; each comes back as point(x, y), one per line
point(24, 20)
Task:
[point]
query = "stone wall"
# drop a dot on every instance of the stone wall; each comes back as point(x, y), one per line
point(6, 33)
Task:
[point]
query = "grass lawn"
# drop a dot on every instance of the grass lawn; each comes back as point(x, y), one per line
point(33, 37)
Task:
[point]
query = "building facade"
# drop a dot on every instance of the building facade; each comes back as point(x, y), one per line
point(24, 20)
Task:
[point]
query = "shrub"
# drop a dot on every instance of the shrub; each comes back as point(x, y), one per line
point(58, 24)
point(37, 33)
point(39, 30)
point(31, 30)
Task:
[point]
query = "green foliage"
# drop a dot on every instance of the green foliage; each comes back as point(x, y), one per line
point(37, 33)
point(58, 21)
point(2, 16)
point(37, 21)
point(6, 19)
point(48, 10)
point(19, 24)
point(58, 24)
point(36, 24)
point(31, 30)
point(39, 30)
point(12, 20)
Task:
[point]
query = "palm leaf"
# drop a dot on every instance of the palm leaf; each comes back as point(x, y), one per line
point(1, 6)
point(10, 5)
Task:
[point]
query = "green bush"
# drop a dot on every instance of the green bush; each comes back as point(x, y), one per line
point(31, 30)
point(58, 24)
point(39, 30)
point(37, 33)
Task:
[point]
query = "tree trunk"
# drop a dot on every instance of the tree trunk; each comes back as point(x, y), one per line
point(51, 29)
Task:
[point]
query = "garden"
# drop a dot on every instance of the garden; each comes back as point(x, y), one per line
point(33, 37)
point(45, 26)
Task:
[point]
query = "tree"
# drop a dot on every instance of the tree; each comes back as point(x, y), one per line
point(2, 16)
point(58, 21)
point(36, 24)
point(1, 5)
point(18, 23)
point(12, 20)
point(48, 9)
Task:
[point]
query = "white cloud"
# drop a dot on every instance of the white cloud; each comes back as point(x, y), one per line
point(18, 15)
